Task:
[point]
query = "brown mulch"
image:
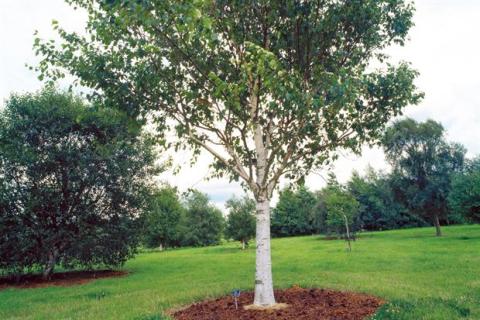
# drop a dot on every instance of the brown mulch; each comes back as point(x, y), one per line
point(58, 279)
point(306, 304)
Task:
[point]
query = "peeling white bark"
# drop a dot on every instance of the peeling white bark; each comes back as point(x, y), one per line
point(264, 296)
point(263, 272)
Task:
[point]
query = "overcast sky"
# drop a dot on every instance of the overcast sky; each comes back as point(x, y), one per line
point(444, 46)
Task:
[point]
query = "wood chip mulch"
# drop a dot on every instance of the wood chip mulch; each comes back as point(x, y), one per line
point(305, 304)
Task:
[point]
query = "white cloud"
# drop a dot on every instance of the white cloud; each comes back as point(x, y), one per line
point(444, 47)
point(18, 21)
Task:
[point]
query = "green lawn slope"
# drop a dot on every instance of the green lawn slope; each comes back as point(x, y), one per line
point(421, 277)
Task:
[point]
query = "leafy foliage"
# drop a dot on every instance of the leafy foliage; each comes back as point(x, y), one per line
point(72, 183)
point(379, 209)
point(464, 197)
point(423, 163)
point(251, 82)
point(204, 223)
point(294, 213)
point(162, 220)
point(341, 209)
point(241, 220)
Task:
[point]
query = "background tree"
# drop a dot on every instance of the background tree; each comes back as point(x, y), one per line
point(204, 223)
point(269, 88)
point(341, 210)
point(379, 209)
point(320, 213)
point(464, 197)
point(423, 164)
point(294, 213)
point(163, 218)
point(72, 183)
point(241, 220)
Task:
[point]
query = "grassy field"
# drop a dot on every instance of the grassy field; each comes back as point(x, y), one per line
point(422, 277)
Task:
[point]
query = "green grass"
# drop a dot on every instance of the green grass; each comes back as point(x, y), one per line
point(421, 277)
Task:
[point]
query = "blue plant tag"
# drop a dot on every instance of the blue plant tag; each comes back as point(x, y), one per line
point(236, 293)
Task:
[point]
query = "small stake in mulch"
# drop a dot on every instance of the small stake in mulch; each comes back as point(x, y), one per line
point(236, 295)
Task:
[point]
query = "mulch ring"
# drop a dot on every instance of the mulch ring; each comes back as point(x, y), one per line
point(302, 303)
point(58, 279)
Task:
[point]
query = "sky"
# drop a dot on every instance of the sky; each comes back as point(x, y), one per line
point(443, 47)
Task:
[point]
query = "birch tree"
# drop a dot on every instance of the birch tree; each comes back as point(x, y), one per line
point(269, 88)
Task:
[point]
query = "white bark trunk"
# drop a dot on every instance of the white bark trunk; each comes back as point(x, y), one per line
point(263, 262)
point(263, 272)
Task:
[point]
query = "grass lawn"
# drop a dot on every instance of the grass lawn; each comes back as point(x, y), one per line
point(422, 277)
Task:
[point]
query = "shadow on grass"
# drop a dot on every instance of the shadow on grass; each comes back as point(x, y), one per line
point(64, 279)
point(220, 250)
point(465, 238)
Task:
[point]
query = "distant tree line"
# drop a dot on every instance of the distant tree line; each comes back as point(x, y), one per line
point(367, 202)
point(173, 220)
point(431, 183)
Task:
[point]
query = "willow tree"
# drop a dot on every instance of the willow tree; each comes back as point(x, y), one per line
point(270, 88)
point(424, 164)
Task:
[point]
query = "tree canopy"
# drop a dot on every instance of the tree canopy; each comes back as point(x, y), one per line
point(294, 213)
point(240, 220)
point(424, 163)
point(269, 88)
point(204, 223)
point(163, 219)
point(379, 209)
point(341, 209)
point(464, 197)
point(294, 74)
point(72, 183)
